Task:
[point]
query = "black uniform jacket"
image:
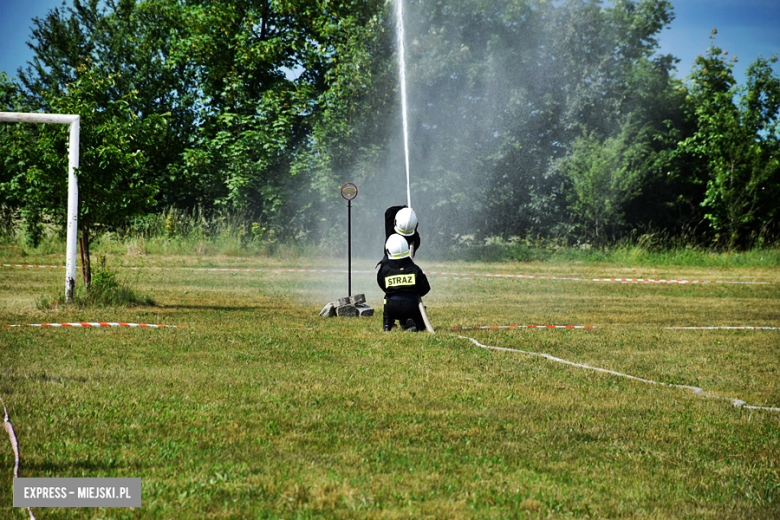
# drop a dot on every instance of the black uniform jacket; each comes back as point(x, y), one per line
point(390, 212)
point(402, 277)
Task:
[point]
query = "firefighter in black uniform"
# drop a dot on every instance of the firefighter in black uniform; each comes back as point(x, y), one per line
point(402, 220)
point(402, 281)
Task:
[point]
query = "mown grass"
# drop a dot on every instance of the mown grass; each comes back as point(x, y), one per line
point(259, 408)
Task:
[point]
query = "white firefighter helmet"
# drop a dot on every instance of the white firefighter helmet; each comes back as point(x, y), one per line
point(405, 222)
point(397, 247)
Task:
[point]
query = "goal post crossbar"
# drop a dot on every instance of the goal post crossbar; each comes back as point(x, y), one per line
point(73, 121)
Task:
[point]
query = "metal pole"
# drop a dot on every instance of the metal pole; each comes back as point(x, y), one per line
point(73, 188)
point(73, 210)
point(349, 248)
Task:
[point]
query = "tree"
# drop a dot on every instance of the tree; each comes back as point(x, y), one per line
point(283, 87)
point(604, 177)
point(273, 104)
point(738, 138)
point(132, 42)
point(17, 154)
point(499, 91)
point(276, 90)
point(114, 181)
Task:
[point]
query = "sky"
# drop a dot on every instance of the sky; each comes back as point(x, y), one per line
point(746, 28)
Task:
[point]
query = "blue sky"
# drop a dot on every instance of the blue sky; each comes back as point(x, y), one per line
point(15, 22)
point(746, 28)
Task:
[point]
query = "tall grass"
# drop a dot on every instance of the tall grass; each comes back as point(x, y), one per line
point(645, 249)
point(108, 290)
point(184, 232)
point(198, 232)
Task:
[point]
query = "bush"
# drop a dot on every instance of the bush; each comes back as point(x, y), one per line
point(106, 291)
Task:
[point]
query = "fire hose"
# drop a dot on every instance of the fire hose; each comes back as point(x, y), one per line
point(420, 304)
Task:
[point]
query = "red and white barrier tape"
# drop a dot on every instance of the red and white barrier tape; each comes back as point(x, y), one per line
point(723, 328)
point(527, 276)
point(526, 327)
point(625, 280)
point(9, 429)
point(640, 280)
point(25, 265)
point(98, 324)
point(482, 327)
point(438, 273)
point(342, 271)
point(695, 389)
point(220, 269)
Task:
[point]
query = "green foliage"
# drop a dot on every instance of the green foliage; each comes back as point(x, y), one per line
point(503, 89)
point(515, 248)
point(33, 228)
point(104, 279)
point(17, 154)
point(603, 179)
point(738, 138)
point(114, 178)
point(114, 182)
point(113, 175)
point(7, 217)
point(132, 43)
point(269, 106)
point(282, 89)
point(237, 236)
point(106, 290)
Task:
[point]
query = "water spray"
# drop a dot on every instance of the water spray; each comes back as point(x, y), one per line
point(402, 66)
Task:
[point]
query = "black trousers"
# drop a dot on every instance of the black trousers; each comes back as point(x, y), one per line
point(402, 310)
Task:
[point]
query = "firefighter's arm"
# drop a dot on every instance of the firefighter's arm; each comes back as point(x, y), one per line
point(423, 287)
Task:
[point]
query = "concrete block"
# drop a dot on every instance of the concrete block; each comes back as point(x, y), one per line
point(364, 310)
point(348, 310)
point(328, 311)
point(348, 307)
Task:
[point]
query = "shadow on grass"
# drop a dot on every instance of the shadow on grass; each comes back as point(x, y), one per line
point(44, 378)
point(216, 308)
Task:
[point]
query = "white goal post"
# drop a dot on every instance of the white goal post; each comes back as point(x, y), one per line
point(73, 187)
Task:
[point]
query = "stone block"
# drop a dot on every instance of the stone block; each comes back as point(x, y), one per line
point(328, 311)
point(348, 310)
point(364, 310)
point(348, 307)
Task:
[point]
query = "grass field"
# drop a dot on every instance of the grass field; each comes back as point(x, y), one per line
point(256, 407)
